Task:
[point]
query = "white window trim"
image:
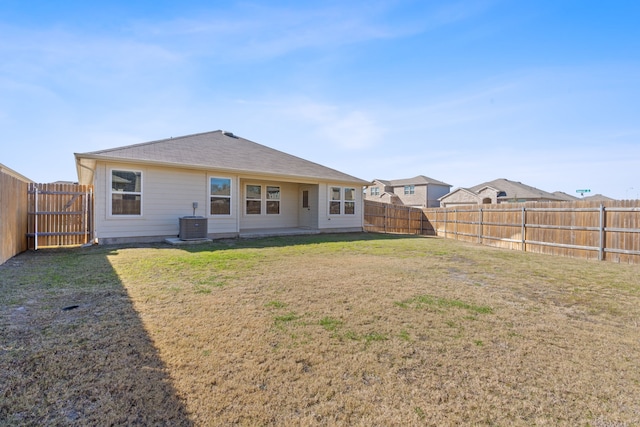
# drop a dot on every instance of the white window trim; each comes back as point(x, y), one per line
point(266, 199)
point(263, 199)
point(343, 201)
point(329, 197)
point(354, 200)
point(111, 192)
point(209, 195)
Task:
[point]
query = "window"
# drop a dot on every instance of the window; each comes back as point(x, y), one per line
point(409, 189)
point(255, 204)
point(126, 192)
point(349, 201)
point(340, 197)
point(375, 191)
point(273, 200)
point(220, 196)
point(335, 204)
point(254, 200)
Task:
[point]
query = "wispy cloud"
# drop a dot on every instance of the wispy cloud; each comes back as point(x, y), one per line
point(254, 32)
point(340, 126)
point(456, 11)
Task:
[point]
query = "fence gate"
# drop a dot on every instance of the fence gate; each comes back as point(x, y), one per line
point(59, 215)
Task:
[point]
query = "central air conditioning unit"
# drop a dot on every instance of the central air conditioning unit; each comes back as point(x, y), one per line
point(193, 228)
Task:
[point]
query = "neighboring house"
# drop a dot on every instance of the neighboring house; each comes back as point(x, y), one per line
point(566, 197)
point(597, 198)
point(497, 191)
point(420, 191)
point(239, 186)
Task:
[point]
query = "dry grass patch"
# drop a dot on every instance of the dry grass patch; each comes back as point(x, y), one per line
point(332, 330)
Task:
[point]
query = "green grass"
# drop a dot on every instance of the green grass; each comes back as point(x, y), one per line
point(275, 304)
point(357, 329)
point(422, 301)
point(329, 323)
point(289, 317)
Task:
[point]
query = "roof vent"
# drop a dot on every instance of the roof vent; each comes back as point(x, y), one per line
point(229, 134)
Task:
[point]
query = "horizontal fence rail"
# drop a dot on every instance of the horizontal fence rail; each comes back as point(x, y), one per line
point(607, 231)
point(59, 215)
point(386, 218)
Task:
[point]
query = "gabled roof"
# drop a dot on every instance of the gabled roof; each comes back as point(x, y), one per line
point(221, 151)
point(565, 196)
point(457, 190)
point(513, 189)
point(597, 198)
point(417, 180)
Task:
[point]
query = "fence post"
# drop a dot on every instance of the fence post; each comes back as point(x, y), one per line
point(446, 211)
point(602, 224)
point(455, 223)
point(35, 237)
point(386, 218)
point(523, 231)
point(480, 226)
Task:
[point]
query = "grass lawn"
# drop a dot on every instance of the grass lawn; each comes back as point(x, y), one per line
point(357, 329)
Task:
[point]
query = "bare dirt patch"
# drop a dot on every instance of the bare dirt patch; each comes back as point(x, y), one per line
point(326, 330)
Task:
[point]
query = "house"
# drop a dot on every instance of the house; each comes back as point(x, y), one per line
point(566, 197)
point(597, 198)
point(497, 191)
point(420, 191)
point(240, 187)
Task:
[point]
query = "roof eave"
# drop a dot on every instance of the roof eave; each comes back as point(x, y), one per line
point(280, 175)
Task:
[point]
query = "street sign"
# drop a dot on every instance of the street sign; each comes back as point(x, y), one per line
point(583, 191)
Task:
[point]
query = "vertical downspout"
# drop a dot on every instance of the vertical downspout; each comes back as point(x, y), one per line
point(238, 205)
point(361, 209)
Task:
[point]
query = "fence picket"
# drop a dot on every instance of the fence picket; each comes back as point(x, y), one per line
point(608, 231)
point(59, 215)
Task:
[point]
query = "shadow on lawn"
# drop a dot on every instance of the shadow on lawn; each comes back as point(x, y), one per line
point(74, 351)
point(295, 240)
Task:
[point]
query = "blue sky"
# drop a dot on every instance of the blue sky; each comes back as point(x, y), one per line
point(542, 92)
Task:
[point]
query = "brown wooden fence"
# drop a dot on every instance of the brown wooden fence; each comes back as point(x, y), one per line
point(13, 213)
point(59, 215)
point(607, 231)
point(387, 218)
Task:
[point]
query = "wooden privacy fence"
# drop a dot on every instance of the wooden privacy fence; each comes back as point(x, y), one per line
point(608, 231)
point(386, 218)
point(59, 215)
point(13, 213)
point(605, 231)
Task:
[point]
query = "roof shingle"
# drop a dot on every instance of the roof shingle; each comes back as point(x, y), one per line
point(221, 151)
